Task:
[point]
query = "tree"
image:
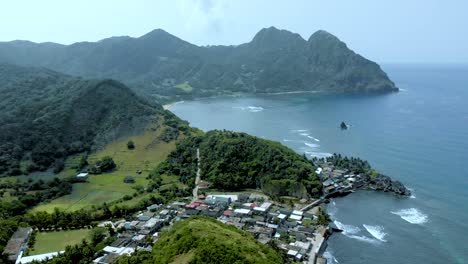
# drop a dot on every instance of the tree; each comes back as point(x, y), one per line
point(97, 235)
point(130, 144)
point(323, 218)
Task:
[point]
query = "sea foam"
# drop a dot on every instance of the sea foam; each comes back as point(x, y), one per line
point(311, 145)
point(412, 215)
point(376, 231)
point(330, 258)
point(250, 108)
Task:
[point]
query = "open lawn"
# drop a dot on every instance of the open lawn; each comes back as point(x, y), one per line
point(56, 241)
point(106, 187)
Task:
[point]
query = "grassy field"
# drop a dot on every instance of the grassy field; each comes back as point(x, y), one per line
point(56, 241)
point(185, 86)
point(148, 153)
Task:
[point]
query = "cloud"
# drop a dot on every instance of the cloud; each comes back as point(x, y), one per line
point(205, 15)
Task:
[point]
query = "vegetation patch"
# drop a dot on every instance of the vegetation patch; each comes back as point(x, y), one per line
point(185, 86)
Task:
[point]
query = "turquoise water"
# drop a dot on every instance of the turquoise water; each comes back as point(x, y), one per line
point(418, 136)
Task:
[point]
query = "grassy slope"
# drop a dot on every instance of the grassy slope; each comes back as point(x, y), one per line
point(205, 240)
point(55, 241)
point(106, 187)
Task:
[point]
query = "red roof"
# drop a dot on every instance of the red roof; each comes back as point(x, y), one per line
point(253, 205)
point(193, 205)
point(227, 213)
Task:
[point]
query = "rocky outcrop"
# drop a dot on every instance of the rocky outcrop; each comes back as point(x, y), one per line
point(386, 184)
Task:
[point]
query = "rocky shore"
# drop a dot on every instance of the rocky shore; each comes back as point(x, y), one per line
point(384, 183)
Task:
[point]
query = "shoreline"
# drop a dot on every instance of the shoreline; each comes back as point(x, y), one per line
point(169, 105)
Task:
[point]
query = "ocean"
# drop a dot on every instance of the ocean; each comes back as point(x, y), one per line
point(418, 136)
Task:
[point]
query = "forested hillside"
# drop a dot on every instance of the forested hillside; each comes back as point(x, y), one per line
point(169, 68)
point(47, 116)
point(236, 161)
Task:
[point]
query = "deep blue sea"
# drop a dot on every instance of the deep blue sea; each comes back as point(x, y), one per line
point(418, 136)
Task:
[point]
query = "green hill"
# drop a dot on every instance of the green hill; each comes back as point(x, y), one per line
point(158, 62)
point(236, 161)
point(205, 240)
point(47, 116)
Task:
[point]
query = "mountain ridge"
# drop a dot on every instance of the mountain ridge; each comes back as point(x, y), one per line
point(275, 60)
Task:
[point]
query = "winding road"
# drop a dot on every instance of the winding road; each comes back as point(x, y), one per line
point(197, 178)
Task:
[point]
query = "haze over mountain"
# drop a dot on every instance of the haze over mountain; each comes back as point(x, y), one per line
point(163, 65)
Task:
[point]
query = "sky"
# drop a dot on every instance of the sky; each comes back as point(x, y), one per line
point(392, 31)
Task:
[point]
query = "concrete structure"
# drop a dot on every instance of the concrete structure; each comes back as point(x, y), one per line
point(17, 243)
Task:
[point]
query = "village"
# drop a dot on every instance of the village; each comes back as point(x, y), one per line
point(299, 229)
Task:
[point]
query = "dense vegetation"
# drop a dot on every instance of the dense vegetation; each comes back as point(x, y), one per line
point(47, 116)
point(234, 161)
point(172, 69)
point(204, 240)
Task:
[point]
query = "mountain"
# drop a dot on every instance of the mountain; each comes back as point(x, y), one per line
point(204, 240)
point(235, 161)
point(46, 116)
point(169, 68)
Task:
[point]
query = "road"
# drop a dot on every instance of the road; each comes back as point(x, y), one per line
point(197, 178)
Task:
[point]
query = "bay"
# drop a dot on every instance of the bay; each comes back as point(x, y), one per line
point(418, 136)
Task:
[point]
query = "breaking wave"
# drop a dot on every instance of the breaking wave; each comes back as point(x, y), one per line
point(352, 232)
point(347, 229)
point(330, 258)
point(376, 231)
point(311, 145)
point(249, 108)
point(316, 139)
point(412, 215)
point(299, 130)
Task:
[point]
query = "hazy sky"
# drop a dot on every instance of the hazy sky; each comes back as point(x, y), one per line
point(385, 31)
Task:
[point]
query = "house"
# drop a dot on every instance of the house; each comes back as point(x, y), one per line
point(82, 176)
point(295, 217)
point(153, 207)
point(259, 210)
point(178, 204)
point(39, 258)
point(242, 212)
point(145, 216)
point(17, 243)
point(232, 197)
point(218, 201)
point(227, 213)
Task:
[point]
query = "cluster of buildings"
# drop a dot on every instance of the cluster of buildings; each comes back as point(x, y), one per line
point(292, 230)
point(337, 180)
